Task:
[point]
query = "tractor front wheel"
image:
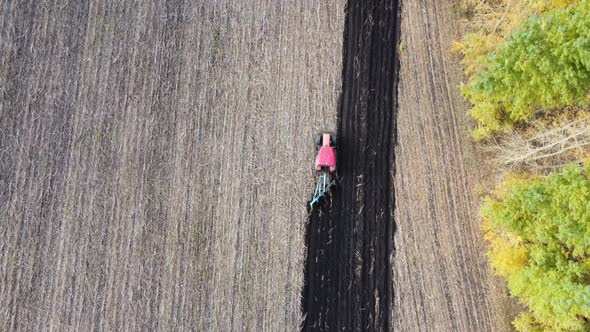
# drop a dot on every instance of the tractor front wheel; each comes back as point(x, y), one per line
point(318, 140)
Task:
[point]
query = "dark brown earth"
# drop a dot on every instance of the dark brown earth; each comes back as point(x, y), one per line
point(349, 237)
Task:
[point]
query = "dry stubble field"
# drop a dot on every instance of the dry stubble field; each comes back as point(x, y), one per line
point(441, 279)
point(154, 160)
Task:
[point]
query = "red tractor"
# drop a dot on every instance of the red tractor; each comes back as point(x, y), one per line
point(326, 157)
point(325, 165)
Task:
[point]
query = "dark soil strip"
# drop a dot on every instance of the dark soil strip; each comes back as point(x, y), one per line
point(348, 284)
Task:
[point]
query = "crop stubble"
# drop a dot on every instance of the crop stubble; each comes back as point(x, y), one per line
point(441, 279)
point(155, 160)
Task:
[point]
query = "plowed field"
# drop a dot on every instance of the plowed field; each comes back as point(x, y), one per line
point(349, 238)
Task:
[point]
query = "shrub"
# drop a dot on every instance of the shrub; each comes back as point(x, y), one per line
point(539, 234)
point(492, 22)
point(542, 65)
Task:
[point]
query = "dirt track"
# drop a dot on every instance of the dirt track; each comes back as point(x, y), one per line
point(154, 163)
point(441, 280)
point(348, 279)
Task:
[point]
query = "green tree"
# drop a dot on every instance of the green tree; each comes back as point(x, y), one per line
point(539, 234)
point(545, 64)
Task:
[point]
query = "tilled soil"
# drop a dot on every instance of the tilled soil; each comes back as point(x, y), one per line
point(349, 238)
point(441, 281)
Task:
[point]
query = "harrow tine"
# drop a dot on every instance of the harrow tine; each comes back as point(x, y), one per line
point(322, 187)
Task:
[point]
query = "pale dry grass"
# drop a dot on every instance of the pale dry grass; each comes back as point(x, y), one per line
point(543, 146)
point(501, 17)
